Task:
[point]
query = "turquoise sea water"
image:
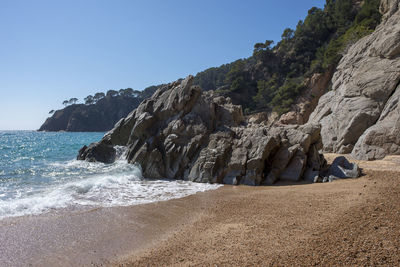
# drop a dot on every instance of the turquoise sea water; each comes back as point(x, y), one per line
point(39, 173)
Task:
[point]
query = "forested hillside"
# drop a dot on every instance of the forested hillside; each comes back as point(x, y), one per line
point(99, 112)
point(272, 78)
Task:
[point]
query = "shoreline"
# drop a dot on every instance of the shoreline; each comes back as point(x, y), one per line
point(93, 236)
point(281, 224)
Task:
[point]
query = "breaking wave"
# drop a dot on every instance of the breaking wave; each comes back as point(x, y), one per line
point(61, 184)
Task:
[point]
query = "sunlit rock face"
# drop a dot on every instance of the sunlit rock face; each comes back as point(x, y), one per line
point(360, 114)
point(182, 132)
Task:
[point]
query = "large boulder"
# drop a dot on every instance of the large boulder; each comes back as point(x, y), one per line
point(362, 89)
point(383, 138)
point(182, 132)
point(342, 168)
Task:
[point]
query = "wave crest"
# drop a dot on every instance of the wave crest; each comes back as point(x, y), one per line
point(81, 183)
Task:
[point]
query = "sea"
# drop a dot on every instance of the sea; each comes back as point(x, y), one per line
point(39, 173)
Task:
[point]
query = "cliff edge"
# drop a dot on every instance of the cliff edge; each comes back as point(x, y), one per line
point(99, 117)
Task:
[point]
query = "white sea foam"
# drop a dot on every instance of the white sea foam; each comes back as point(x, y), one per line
point(80, 183)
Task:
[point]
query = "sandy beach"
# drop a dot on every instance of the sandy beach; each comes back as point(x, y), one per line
point(347, 222)
point(172, 133)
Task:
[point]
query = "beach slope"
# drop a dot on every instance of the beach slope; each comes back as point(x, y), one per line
point(346, 222)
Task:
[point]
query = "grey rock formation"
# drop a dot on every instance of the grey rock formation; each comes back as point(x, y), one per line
point(182, 132)
point(363, 85)
point(102, 152)
point(383, 138)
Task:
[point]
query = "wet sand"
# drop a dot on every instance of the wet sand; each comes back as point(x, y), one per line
point(347, 222)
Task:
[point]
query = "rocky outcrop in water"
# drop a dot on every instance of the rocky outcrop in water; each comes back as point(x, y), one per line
point(99, 117)
point(360, 114)
point(182, 132)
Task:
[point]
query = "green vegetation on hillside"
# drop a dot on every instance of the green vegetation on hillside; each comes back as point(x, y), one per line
point(99, 112)
point(124, 93)
point(272, 78)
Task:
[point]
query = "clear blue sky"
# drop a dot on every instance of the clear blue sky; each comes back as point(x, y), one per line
point(54, 50)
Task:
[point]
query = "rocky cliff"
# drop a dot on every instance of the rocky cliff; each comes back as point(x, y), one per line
point(361, 113)
point(182, 132)
point(99, 117)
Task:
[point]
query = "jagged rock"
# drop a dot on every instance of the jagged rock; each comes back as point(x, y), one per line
point(365, 79)
point(182, 132)
point(101, 151)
